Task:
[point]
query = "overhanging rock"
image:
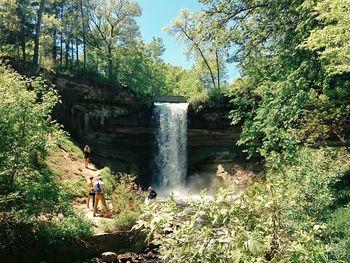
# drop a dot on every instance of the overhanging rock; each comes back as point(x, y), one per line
point(171, 99)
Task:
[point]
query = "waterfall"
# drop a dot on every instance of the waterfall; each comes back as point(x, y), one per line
point(170, 159)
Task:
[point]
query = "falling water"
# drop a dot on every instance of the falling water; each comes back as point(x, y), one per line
point(171, 138)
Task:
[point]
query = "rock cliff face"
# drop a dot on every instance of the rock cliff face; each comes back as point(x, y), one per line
point(118, 127)
point(113, 121)
point(212, 149)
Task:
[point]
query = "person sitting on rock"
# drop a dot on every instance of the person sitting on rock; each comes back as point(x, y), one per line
point(99, 188)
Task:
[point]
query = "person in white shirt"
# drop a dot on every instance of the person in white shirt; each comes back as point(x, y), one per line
point(99, 188)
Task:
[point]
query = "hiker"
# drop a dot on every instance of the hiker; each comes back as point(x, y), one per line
point(87, 152)
point(91, 193)
point(99, 188)
point(139, 191)
point(151, 195)
point(135, 188)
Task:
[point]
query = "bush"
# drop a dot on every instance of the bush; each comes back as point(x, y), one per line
point(74, 187)
point(32, 202)
point(126, 204)
point(282, 219)
point(65, 229)
point(339, 235)
point(108, 180)
point(123, 221)
point(342, 190)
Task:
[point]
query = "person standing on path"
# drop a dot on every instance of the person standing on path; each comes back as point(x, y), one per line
point(99, 188)
point(87, 152)
point(91, 192)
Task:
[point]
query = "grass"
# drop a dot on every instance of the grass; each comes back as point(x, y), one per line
point(64, 160)
point(76, 187)
point(123, 221)
point(70, 146)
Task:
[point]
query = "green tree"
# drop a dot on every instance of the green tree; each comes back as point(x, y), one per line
point(330, 38)
point(112, 25)
point(285, 97)
point(155, 49)
point(16, 26)
point(29, 191)
point(202, 42)
point(38, 31)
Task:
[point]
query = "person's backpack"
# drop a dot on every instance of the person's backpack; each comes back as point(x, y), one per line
point(98, 188)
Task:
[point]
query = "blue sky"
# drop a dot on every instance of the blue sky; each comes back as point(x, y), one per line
point(158, 13)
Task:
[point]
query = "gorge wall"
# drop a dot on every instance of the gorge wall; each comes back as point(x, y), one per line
point(118, 127)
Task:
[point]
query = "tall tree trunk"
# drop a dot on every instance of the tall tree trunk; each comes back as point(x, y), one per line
point(110, 63)
point(72, 54)
point(22, 33)
point(54, 46)
point(84, 31)
point(76, 51)
point(37, 32)
point(61, 35)
point(67, 53)
point(23, 45)
point(97, 65)
point(202, 56)
point(61, 49)
point(217, 68)
point(208, 66)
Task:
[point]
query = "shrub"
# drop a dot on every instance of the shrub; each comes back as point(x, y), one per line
point(123, 221)
point(31, 198)
point(74, 187)
point(126, 204)
point(108, 180)
point(281, 219)
point(339, 235)
point(65, 229)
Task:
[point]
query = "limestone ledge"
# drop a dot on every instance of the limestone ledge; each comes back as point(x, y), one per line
point(118, 127)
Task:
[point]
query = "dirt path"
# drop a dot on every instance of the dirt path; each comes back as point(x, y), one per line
point(69, 166)
point(97, 221)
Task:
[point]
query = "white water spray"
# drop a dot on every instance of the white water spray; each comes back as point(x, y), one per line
point(171, 153)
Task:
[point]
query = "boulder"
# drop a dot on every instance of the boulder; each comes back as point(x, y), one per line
point(129, 256)
point(109, 257)
point(151, 255)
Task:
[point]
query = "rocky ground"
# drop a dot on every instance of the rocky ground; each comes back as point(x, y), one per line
point(149, 256)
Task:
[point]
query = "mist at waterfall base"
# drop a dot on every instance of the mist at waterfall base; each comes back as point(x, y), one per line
point(170, 157)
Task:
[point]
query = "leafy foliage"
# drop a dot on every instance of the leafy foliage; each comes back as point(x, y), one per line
point(127, 205)
point(280, 219)
point(286, 96)
point(100, 41)
point(31, 198)
point(339, 231)
point(330, 38)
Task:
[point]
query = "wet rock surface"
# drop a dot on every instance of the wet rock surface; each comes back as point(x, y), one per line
point(109, 257)
point(150, 255)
